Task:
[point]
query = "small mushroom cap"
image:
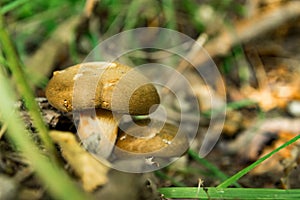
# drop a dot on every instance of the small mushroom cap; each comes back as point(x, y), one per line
point(110, 86)
point(167, 142)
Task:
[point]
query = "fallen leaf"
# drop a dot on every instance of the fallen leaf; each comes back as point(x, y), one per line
point(280, 84)
point(250, 142)
point(285, 160)
point(91, 171)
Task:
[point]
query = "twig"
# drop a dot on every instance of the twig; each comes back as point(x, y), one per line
point(89, 7)
point(258, 66)
point(239, 32)
point(184, 64)
point(252, 7)
point(244, 171)
point(247, 29)
point(51, 51)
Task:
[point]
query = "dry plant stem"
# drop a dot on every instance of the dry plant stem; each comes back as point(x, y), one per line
point(252, 7)
point(51, 51)
point(184, 63)
point(248, 29)
point(244, 171)
point(24, 88)
point(258, 65)
point(89, 6)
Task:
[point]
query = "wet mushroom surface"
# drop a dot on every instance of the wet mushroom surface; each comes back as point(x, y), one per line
point(139, 149)
point(157, 141)
point(99, 93)
point(91, 85)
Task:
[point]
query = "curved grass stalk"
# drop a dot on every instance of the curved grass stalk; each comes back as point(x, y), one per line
point(26, 92)
point(244, 171)
point(57, 182)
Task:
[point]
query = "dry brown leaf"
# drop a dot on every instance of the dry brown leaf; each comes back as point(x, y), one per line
point(92, 172)
point(257, 141)
point(263, 97)
point(247, 29)
point(249, 143)
point(285, 160)
point(279, 85)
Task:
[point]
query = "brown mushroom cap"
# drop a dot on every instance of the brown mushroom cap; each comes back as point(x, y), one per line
point(92, 85)
point(166, 142)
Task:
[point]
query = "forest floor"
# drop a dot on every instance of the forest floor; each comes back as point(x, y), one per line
point(255, 46)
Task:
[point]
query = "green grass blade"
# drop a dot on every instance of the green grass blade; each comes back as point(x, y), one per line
point(213, 169)
point(244, 171)
point(240, 104)
point(132, 14)
point(15, 66)
point(11, 6)
point(57, 182)
point(162, 175)
point(230, 106)
point(170, 13)
point(228, 193)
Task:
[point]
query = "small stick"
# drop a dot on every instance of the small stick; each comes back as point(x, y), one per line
point(247, 29)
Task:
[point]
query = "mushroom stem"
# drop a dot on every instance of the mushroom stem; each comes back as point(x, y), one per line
point(98, 131)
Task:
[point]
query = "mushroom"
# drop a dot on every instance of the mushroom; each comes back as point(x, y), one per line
point(99, 91)
point(167, 141)
point(147, 149)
